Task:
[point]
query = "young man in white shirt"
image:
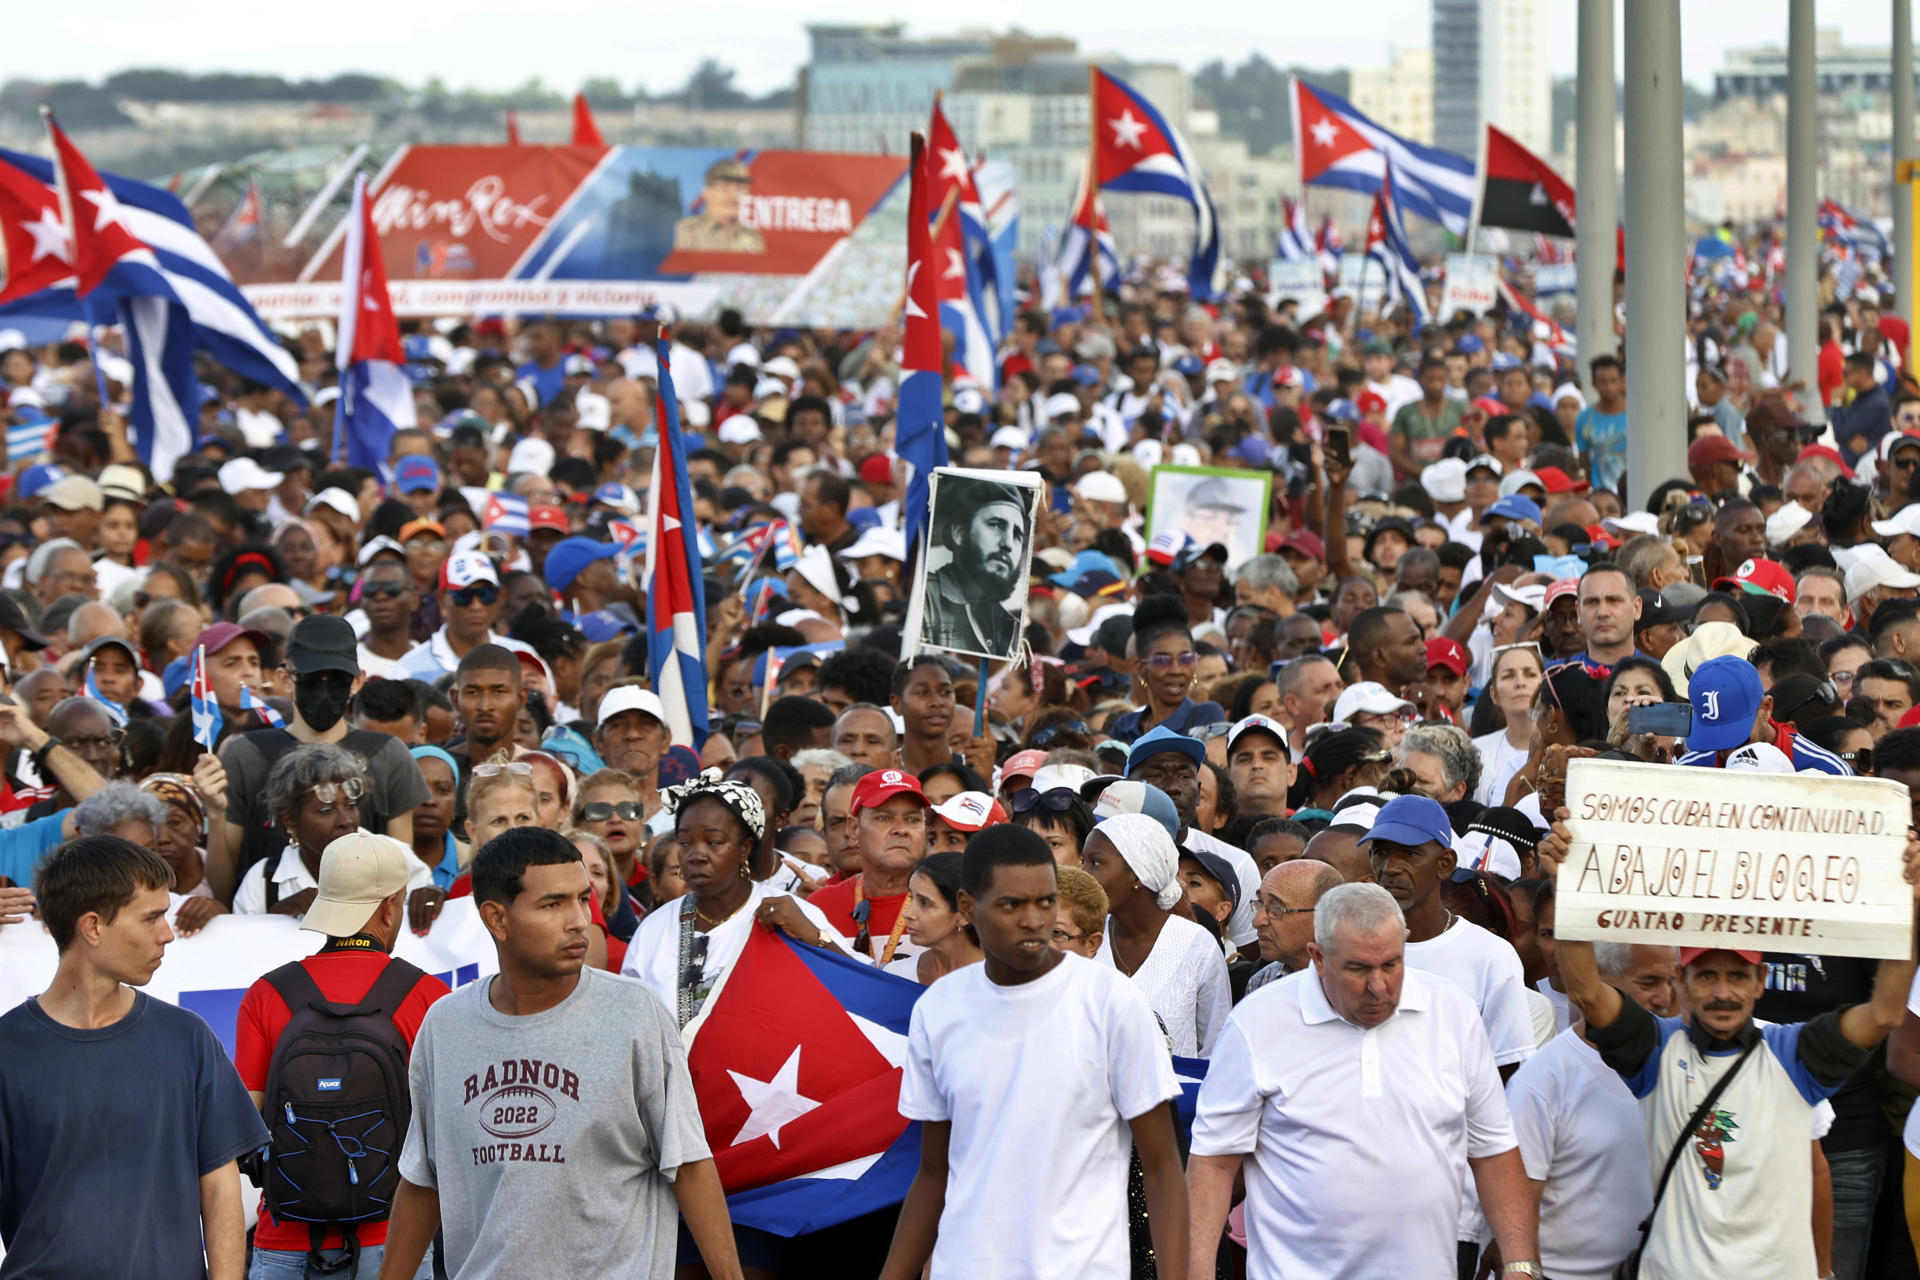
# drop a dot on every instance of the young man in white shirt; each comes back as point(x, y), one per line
point(1031, 1074)
point(1358, 1096)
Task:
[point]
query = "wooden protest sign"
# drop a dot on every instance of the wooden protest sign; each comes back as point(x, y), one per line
point(1750, 861)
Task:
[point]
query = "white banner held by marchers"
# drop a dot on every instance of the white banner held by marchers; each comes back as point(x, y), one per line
point(1670, 854)
point(1473, 284)
point(1299, 279)
point(210, 971)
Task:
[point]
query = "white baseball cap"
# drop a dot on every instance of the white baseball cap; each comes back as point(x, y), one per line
point(968, 811)
point(1873, 568)
point(1445, 480)
point(1061, 404)
point(877, 541)
point(1100, 486)
point(1514, 481)
point(741, 428)
point(1906, 520)
point(1009, 438)
point(1257, 724)
point(631, 698)
point(1368, 697)
point(1760, 757)
point(1790, 518)
point(243, 475)
point(358, 872)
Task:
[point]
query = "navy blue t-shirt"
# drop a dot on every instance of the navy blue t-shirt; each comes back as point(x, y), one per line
point(104, 1136)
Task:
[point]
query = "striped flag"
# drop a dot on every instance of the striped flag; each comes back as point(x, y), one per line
point(1387, 245)
point(1296, 237)
point(251, 701)
point(920, 424)
point(115, 712)
point(1339, 147)
point(676, 594)
point(506, 513)
point(207, 720)
point(376, 397)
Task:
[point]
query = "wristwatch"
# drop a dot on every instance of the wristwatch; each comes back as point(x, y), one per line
point(1523, 1269)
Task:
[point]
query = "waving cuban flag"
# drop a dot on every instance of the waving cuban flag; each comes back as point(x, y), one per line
point(118, 281)
point(1135, 149)
point(1296, 237)
point(920, 425)
point(952, 176)
point(676, 595)
point(251, 701)
point(1387, 245)
point(1339, 147)
point(207, 720)
point(115, 712)
point(1086, 235)
point(376, 398)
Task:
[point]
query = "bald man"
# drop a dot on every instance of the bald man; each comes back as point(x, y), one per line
point(1283, 915)
point(1339, 847)
point(274, 595)
point(91, 621)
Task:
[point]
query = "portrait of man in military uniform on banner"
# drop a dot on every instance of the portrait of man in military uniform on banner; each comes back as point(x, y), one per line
point(972, 598)
point(716, 227)
point(1212, 505)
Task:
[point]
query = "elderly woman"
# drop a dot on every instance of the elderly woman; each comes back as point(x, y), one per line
point(181, 840)
point(314, 794)
point(1150, 937)
point(681, 951)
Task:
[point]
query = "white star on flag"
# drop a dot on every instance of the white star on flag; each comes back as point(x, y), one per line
point(953, 164)
point(49, 237)
point(1324, 131)
point(106, 209)
point(203, 724)
point(956, 265)
point(774, 1103)
point(1127, 130)
point(913, 308)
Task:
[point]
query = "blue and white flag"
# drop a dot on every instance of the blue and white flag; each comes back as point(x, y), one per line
point(1339, 147)
point(1387, 245)
point(115, 712)
point(251, 701)
point(376, 396)
point(207, 720)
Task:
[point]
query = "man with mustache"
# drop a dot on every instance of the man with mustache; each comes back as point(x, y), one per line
point(983, 525)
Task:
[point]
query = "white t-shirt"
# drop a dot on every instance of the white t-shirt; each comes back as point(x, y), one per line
point(1581, 1133)
point(1185, 980)
point(1487, 971)
point(375, 667)
point(1499, 761)
point(1562, 1007)
point(653, 956)
point(1038, 1082)
point(1358, 1138)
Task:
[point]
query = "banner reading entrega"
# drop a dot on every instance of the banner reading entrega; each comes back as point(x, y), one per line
point(784, 236)
point(1667, 854)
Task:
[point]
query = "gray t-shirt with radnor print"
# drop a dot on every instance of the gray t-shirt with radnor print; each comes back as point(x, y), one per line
point(553, 1138)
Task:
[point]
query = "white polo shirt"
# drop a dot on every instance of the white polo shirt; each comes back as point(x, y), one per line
point(292, 876)
point(1358, 1137)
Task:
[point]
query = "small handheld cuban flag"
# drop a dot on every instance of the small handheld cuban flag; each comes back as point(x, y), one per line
point(207, 720)
point(117, 712)
point(251, 701)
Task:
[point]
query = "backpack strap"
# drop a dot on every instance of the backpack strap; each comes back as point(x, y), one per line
point(295, 985)
point(391, 989)
point(1686, 1134)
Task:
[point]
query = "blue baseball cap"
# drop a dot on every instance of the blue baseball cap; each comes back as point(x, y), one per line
point(1514, 506)
point(1469, 344)
point(1189, 366)
point(1133, 796)
point(1725, 693)
point(417, 473)
point(1160, 739)
point(570, 555)
point(1342, 410)
point(1254, 450)
point(1502, 362)
point(36, 478)
point(606, 624)
point(1411, 820)
point(1086, 375)
point(1084, 563)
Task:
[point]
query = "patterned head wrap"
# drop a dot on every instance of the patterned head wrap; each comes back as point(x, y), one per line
point(737, 796)
point(178, 788)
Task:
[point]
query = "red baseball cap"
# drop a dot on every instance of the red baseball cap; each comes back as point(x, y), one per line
point(1554, 480)
point(552, 518)
point(877, 469)
point(1445, 652)
point(882, 785)
point(1023, 764)
point(1707, 450)
point(1760, 577)
point(1560, 589)
point(1489, 405)
point(1828, 452)
point(1909, 720)
point(1601, 538)
point(1370, 402)
point(1689, 954)
point(221, 634)
point(1307, 543)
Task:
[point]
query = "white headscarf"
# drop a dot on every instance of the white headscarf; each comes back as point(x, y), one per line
point(1150, 851)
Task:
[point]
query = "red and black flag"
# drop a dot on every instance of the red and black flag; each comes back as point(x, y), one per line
point(1521, 192)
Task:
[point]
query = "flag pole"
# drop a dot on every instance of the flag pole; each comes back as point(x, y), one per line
point(980, 702)
point(1093, 191)
point(1479, 188)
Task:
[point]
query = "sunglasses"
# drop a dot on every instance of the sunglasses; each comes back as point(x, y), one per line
point(1208, 732)
point(863, 937)
point(485, 593)
point(1058, 800)
point(328, 792)
point(601, 811)
point(1052, 731)
point(1165, 661)
point(516, 767)
point(383, 590)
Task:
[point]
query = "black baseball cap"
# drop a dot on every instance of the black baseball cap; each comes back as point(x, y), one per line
point(323, 642)
point(14, 618)
point(1657, 609)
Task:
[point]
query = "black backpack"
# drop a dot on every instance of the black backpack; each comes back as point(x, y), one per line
point(337, 1106)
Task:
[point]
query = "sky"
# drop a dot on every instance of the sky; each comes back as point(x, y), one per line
point(500, 44)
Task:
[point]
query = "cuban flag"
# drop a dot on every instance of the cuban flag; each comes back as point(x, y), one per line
point(117, 279)
point(207, 720)
point(1001, 204)
point(1135, 149)
point(376, 396)
point(951, 176)
point(1339, 147)
point(115, 712)
point(1086, 234)
point(676, 595)
point(506, 513)
point(797, 1057)
point(242, 225)
point(1296, 238)
point(920, 423)
point(223, 324)
point(1846, 227)
point(1329, 244)
point(962, 307)
point(1387, 245)
point(251, 701)
point(33, 233)
point(1542, 327)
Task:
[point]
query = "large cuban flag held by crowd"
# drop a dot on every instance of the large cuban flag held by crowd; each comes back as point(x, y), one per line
point(1339, 147)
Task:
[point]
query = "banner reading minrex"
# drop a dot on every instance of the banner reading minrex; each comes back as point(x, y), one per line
point(1726, 858)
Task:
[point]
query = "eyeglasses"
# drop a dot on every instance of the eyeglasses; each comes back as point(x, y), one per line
point(1058, 800)
point(485, 593)
point(696, 968)
point(601, 811)
point(1066, 937)
point(383, 590)
point(432, 546)
point(1273, 907)
point(1208, 732)
point(518, 768)
point(328, 792)
point(1165, 661)
point(1052, 731)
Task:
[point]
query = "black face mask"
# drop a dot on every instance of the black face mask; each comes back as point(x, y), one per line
point(321, 698)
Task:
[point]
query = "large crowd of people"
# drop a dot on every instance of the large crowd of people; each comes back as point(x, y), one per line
point(1293, 813)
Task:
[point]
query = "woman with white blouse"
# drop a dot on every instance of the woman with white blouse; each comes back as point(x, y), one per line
point(1516, 673)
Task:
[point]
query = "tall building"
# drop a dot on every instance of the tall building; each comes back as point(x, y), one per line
point(867, 85)
point(1398, 96)
point(1490, 66)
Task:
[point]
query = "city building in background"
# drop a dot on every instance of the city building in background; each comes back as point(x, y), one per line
point(1490, 66)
